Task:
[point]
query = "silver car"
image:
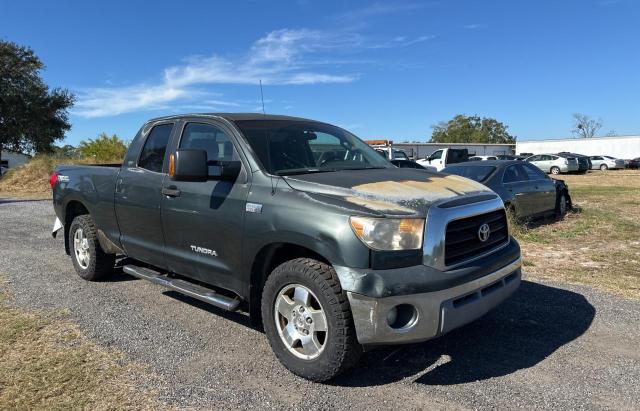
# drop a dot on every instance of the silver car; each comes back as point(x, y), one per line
point(606, 162)
point(551, 163)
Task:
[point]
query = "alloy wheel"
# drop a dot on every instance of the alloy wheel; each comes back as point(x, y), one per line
point(301, 321)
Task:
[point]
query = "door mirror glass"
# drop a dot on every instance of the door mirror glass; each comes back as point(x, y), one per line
point(224, 170)
point(188, 165)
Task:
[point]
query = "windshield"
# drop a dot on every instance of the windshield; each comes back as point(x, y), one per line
point(478, 173)
point(297, 147)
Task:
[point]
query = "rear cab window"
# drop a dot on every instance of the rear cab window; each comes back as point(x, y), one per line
point(155, 147)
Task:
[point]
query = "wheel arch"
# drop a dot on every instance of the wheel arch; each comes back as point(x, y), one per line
point(265, 261)
point(72, 209)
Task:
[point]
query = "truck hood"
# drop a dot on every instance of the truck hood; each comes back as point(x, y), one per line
point(387, 192)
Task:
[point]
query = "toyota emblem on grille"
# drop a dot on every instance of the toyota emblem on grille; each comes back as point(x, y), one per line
point(484, 232)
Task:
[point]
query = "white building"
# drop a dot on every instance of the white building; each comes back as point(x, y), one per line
point(616, 146)
point(423, 150)
point(11, 159)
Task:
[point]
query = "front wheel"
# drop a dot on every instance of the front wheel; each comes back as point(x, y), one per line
point(307, 319)
point(561, 206)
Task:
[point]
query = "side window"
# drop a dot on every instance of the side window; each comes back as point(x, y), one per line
point(154, 149)
point(534, 173)
point(436, 155)
point(551, 158)
point(209, 138)
point(514, 174)
point(534, 158)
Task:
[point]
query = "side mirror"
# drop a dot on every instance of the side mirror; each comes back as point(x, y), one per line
point(226, 170)
point(188, 165)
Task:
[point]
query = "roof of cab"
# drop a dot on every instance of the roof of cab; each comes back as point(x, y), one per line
point(234, 116)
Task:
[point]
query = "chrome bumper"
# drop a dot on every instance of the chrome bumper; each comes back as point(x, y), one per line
point(437, 312)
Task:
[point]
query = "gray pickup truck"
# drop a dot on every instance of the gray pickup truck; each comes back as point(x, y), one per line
point(324, 243)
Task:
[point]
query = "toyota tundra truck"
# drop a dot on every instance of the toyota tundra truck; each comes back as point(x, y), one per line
point(324, 243)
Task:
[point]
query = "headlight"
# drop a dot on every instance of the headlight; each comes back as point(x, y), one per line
point(389, 234)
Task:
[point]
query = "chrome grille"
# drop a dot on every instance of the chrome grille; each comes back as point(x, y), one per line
point(462, 241)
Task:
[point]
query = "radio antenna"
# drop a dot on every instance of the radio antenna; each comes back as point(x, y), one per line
point(262, 97)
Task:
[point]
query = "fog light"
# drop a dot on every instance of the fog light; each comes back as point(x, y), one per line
point(392, 316)
point(402, 316)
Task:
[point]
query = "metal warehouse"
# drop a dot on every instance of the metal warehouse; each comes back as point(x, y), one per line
point(616, 146)
point(423, 150)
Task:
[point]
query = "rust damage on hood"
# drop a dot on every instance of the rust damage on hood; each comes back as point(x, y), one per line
point(393, 196)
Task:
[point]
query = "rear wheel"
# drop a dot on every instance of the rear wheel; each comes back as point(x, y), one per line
point(307, 319)
point(555, 170)
point(603, 167)
point(90, 262)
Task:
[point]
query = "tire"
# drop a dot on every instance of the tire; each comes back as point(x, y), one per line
point(561, 205)
point(90, 262)
point(336, 349)
point(555, 170)
point(603, 167)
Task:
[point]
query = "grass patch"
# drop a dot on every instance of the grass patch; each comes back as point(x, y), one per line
point(598, 244)
point(47, 363)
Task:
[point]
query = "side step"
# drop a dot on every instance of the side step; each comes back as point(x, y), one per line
point(184, 287)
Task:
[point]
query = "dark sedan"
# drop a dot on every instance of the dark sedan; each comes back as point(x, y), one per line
point(524, 188)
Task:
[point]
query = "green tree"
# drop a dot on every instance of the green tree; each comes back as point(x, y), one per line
point(103, 148)
point(32, 117)
point(66, 151)
point(471, 129)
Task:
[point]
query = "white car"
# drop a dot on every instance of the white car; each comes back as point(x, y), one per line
point(605, 162)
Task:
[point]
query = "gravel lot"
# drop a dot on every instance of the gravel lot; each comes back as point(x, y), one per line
point(549, 346)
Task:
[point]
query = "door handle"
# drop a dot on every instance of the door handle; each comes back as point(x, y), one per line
point(171, 191)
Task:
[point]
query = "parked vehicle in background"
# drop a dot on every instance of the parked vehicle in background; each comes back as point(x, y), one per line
point(510, 157)
point(3, 170)
point(584, 163)
point(411, 164)
point(482, 158)
point(632, 163)
point(606, 162)
point(525, 189)
point(554, 164)
point(386, 149)
point(444, 157)
point(299, 223)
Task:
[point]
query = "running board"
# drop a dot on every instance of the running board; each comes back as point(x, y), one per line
point(184, 287)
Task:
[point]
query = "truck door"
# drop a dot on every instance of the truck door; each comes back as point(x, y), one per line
point(137, 197)
point(203, 221)
point(435, 159)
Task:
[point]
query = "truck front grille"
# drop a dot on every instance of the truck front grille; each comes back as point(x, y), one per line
point(462, 240)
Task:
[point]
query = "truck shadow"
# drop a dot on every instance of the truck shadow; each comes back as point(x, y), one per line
point(535, 322)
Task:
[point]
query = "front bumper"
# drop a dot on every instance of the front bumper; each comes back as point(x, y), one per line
point(436, 312)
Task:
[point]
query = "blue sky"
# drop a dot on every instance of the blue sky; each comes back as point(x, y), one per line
point(381, 69)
